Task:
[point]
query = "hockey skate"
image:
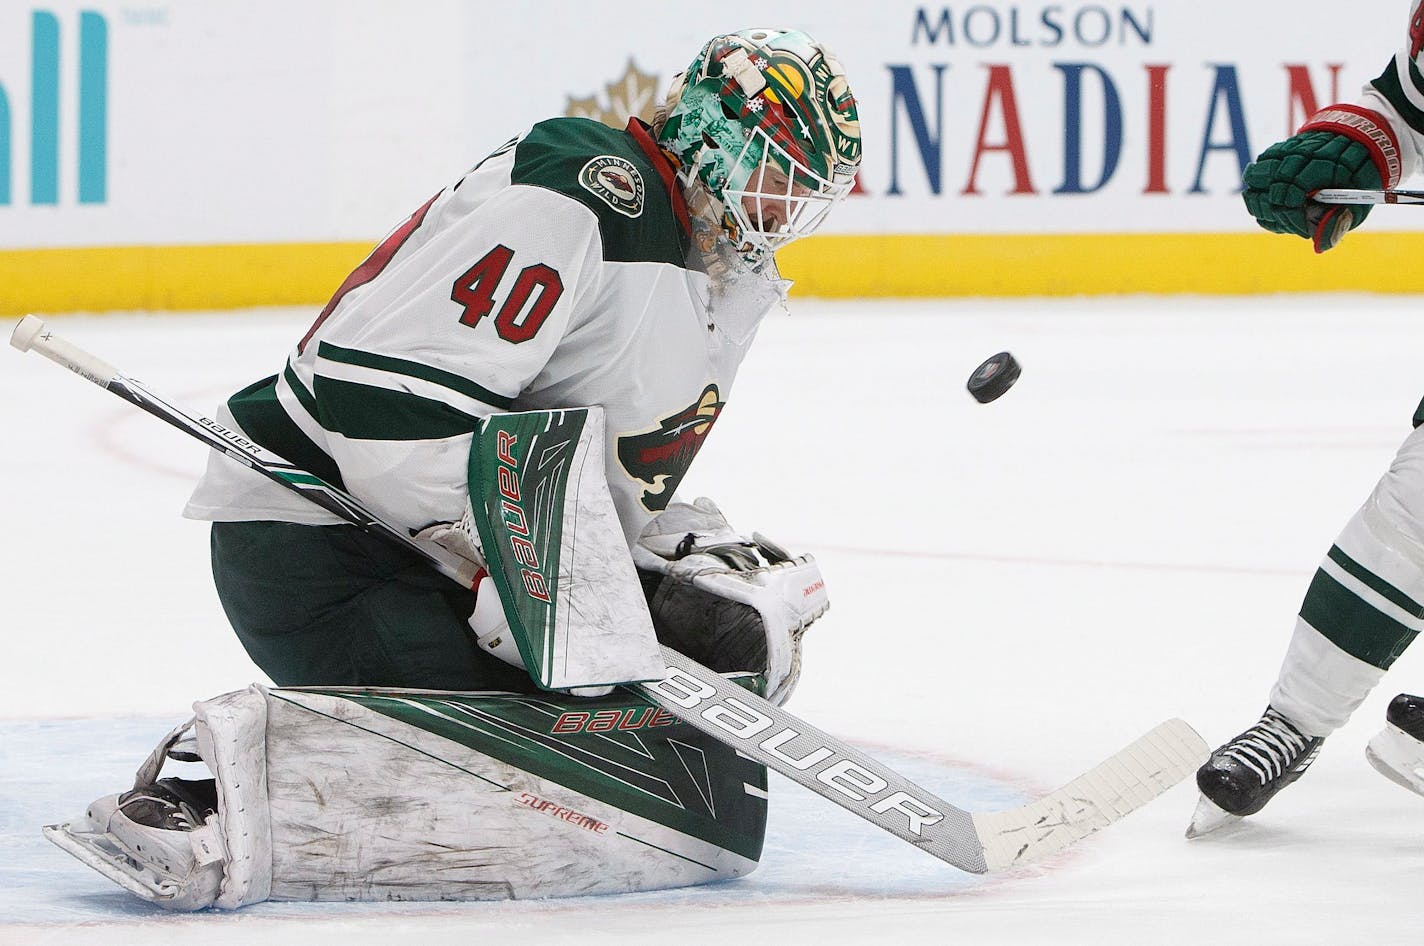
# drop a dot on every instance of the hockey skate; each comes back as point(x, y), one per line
point(147, 840)
point(1241, 776)
point(1397, 751)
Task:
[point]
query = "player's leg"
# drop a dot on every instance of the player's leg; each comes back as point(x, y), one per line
point(330, 605)
point(1361, 611)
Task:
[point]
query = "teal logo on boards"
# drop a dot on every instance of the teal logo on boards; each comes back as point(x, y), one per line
point(87, 128)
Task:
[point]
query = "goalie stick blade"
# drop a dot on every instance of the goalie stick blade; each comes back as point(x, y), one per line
point(973, 842)
point(1093, 800)
point(1345, 195)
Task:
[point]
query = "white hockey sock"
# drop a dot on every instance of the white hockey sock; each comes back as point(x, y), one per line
point(1319, 684)
point(1365, 604)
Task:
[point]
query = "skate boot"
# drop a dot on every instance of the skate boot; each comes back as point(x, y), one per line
point(1241, 776)
point(154, 840)
point(1397, 751)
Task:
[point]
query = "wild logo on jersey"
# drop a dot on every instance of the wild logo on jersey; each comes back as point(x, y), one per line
point(615, 182)
point(661, 457)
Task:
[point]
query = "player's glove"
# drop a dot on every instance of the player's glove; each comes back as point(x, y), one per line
point(728, 601)
point(1341, 146)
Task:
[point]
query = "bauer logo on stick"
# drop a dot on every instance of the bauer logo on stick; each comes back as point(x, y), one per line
point(995, 376)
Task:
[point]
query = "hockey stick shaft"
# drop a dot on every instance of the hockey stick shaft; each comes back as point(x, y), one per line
point(743, 720)
point(1345, 195)
point(32, 335)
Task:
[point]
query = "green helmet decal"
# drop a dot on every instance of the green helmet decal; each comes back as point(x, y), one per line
point(766, 118)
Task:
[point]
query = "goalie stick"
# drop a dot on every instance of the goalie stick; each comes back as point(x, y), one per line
point(972, 841)
point(1346, 195)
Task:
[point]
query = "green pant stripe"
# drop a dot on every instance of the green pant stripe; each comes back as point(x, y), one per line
point(414, 369)
point(1375, 583)
point(1352, 624)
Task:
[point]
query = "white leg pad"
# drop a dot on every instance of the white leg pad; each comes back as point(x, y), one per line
point(396, 795)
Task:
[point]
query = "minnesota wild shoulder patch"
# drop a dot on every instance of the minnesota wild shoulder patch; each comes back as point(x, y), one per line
point(614, 181)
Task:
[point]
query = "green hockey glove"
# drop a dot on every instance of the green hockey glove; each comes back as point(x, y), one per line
point(1341, 146)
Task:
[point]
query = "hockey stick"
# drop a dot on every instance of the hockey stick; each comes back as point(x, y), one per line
point(975, 842)
point(1345, 195)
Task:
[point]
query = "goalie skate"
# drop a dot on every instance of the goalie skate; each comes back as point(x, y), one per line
point(1397, 751)
point(153, 841)
point(1247, 772)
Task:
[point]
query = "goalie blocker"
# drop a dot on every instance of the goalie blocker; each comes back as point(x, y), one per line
point(364, 794)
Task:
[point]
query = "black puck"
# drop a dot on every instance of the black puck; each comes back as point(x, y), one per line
point(995, 376)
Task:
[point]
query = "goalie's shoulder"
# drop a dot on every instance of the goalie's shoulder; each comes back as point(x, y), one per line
point(607, 171)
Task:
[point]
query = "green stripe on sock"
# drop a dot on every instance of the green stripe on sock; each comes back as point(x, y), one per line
point(413, 369)
point(1375, 583)
point(1352, 624)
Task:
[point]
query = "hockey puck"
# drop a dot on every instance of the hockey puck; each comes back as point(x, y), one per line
point(995, 376)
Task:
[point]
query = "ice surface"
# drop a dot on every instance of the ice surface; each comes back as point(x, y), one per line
point(1019, 589)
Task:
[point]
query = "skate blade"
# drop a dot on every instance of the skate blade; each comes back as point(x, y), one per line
point(100, 852)
point(1396, 756)
point(1208, 818)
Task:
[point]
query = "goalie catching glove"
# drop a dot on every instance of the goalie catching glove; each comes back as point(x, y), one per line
point(729, 602)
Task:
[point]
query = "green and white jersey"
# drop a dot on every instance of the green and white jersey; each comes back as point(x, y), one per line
point(1398, 95)
point(554, 274)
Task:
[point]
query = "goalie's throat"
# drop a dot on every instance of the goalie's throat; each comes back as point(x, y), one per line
point(751, 727)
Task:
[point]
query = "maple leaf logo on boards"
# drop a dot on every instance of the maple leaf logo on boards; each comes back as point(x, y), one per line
point(633, 93)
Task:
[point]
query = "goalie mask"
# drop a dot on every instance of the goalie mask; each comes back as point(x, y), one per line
point(765, 121)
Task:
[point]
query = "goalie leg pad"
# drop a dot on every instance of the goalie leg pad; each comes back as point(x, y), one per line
point(407, 795)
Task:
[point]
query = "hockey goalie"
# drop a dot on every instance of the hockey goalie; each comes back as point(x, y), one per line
point(375, 793)
point(517, 378)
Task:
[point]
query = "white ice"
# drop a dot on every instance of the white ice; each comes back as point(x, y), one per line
point(1018, 589)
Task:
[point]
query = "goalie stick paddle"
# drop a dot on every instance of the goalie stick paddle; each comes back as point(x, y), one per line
point(1346, 195)
point(971, 841)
